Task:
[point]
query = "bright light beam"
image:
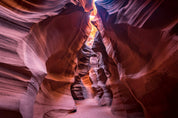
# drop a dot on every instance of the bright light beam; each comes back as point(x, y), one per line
point(91, 37)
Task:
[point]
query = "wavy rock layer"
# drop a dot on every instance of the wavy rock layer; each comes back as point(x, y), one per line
point(146, 61)
point(42, 53)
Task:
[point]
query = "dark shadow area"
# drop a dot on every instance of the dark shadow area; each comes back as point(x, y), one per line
point(9, 114)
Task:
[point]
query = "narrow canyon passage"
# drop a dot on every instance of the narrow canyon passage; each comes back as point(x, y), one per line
point(90, 109)
point(88, 59)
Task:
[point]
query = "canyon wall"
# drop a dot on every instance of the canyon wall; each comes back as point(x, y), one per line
point(43, 53)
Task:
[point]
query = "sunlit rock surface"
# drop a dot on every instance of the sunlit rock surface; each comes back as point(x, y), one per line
point(45, 65)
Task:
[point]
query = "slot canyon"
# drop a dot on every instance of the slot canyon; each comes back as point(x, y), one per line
point(88, 59)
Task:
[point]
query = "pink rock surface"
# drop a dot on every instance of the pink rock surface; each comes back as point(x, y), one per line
point(42, 51)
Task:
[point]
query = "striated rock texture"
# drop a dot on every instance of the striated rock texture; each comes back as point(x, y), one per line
point(43, 53)
point(81, 70)
point(60, 61)
point(43, 57)
point(99, 73)
point(145, 57)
